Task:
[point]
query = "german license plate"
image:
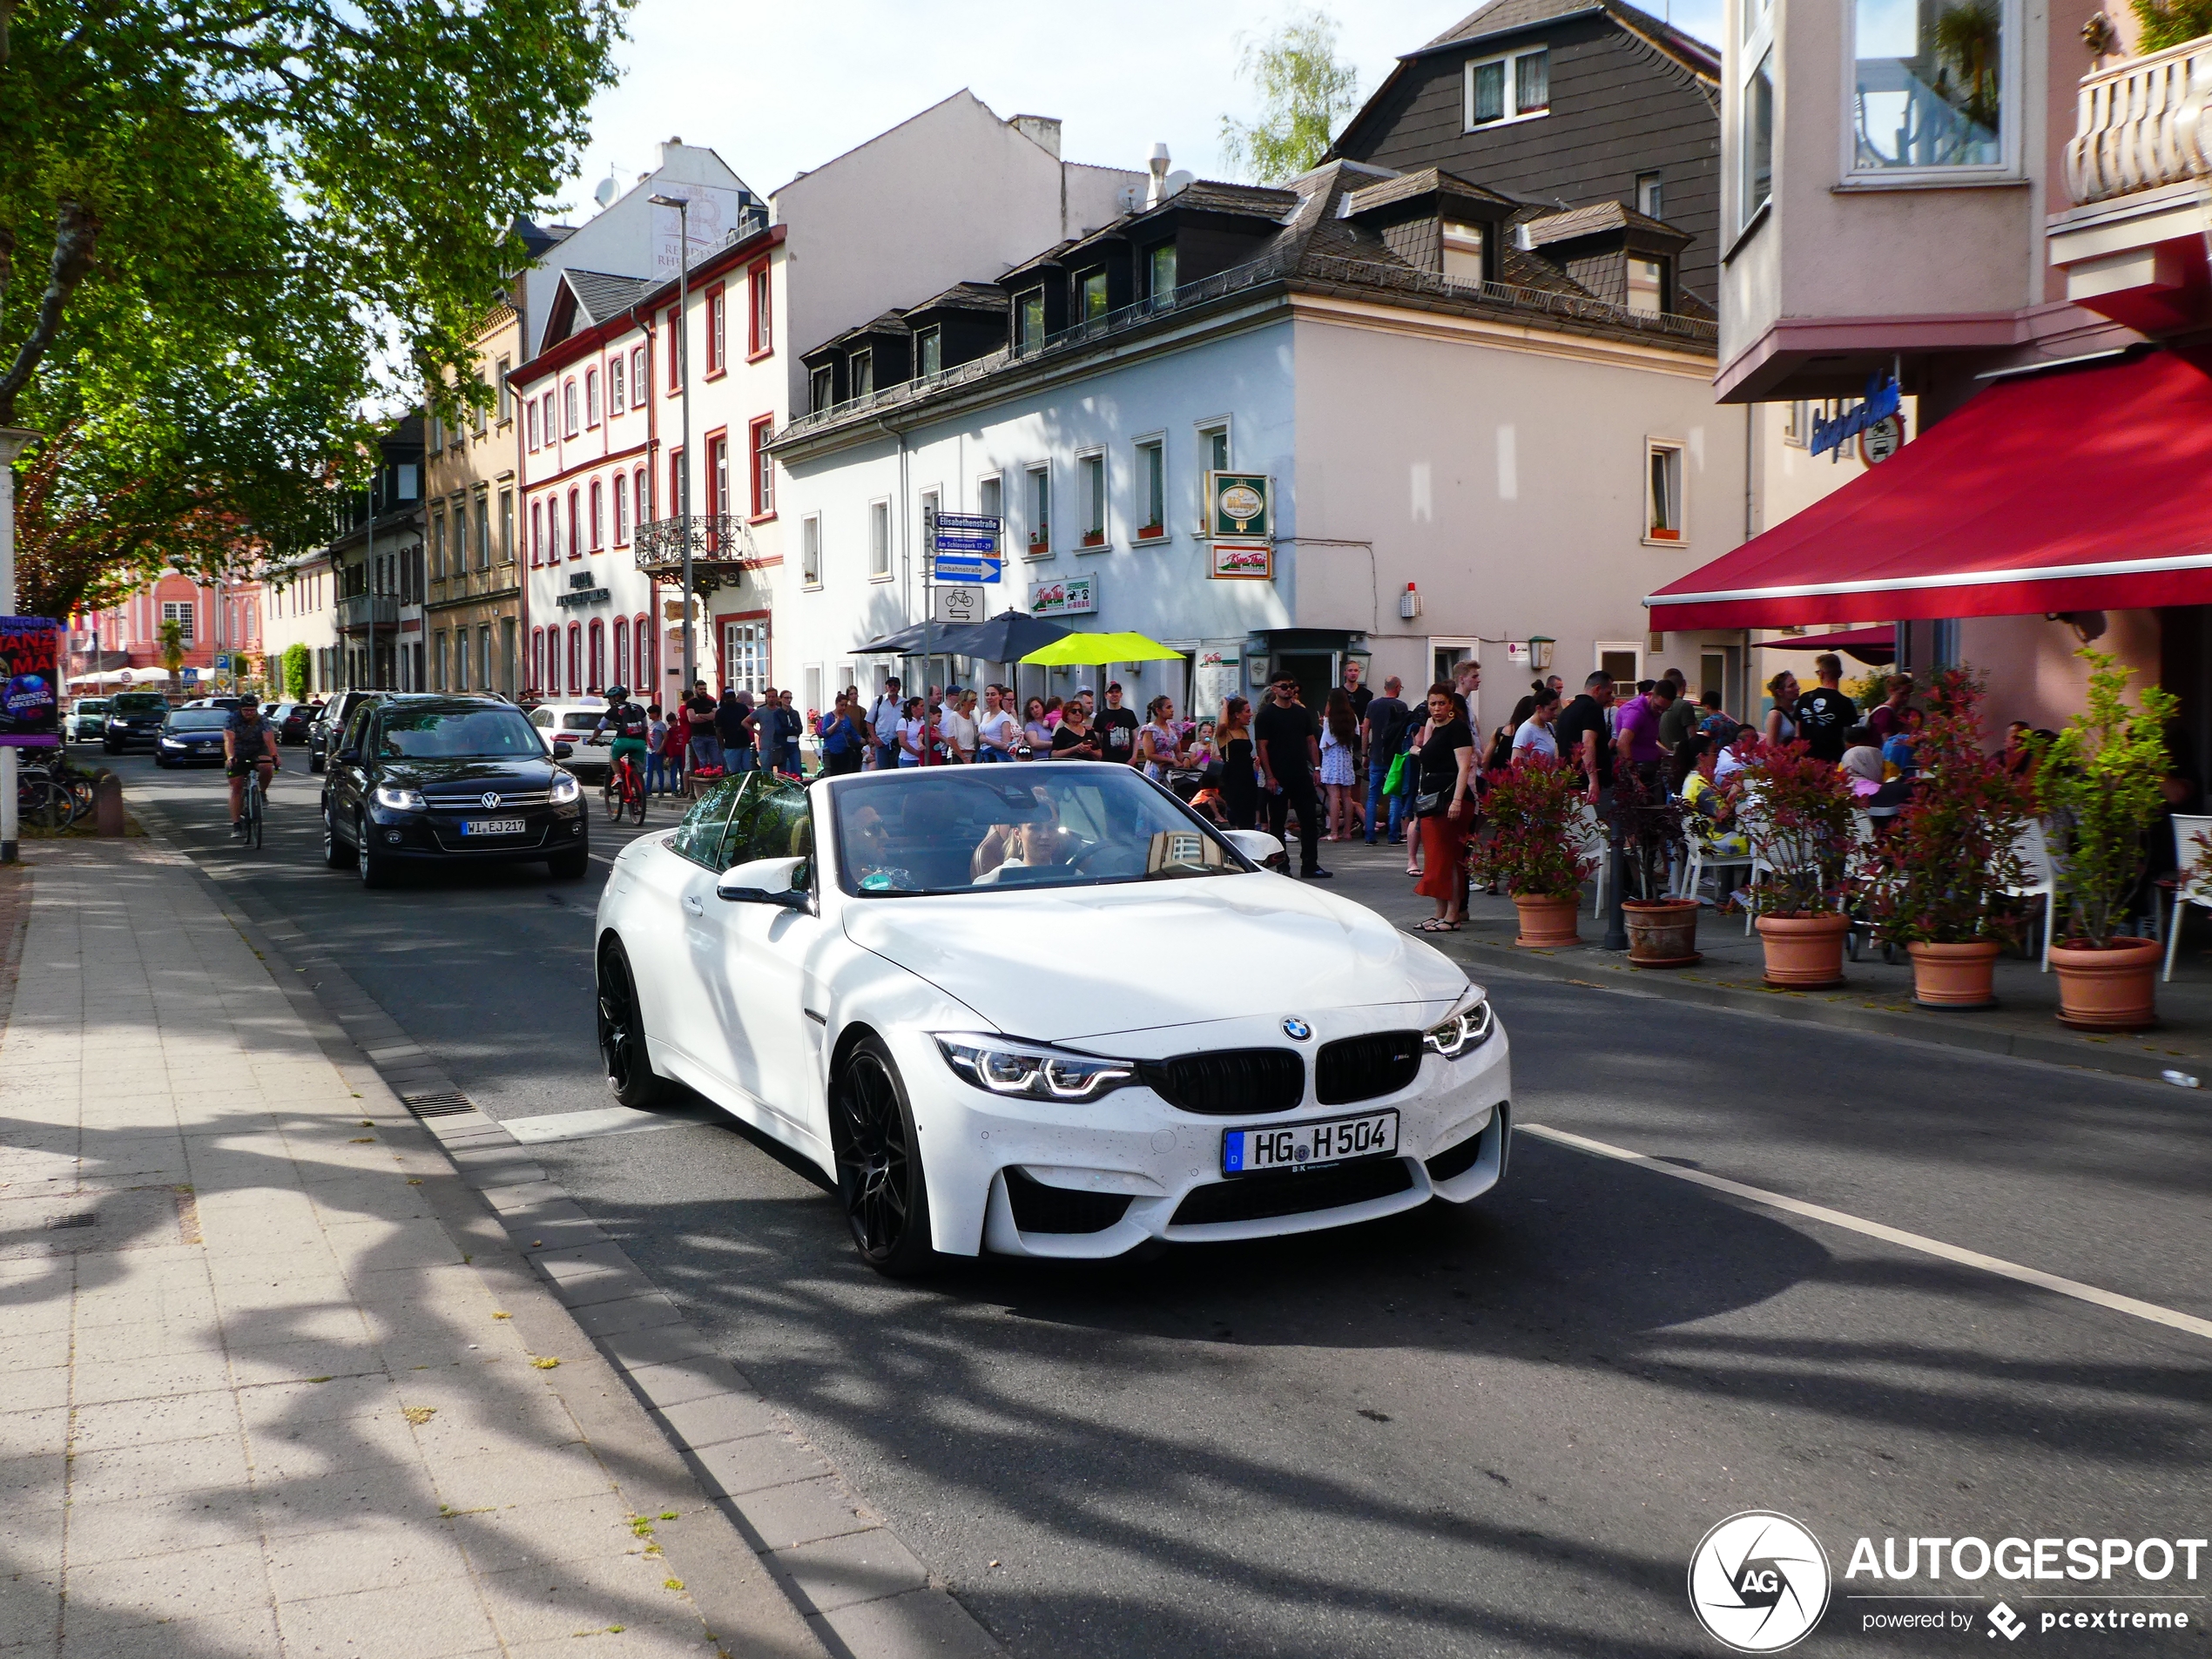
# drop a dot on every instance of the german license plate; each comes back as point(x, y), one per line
point(1303, 1146)
point(492, 826)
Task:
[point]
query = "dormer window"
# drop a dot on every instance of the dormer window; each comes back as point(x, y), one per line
point(1028, 320)
point(1463, 253)
point(1515, 86)
point(1647, 285)
point(1163, 270)
point(822, 387)
point(929, 352)
point(1093, 288)
point(863, 373)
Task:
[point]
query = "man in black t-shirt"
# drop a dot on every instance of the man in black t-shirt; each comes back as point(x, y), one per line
point(1584, 738)
point(1384, 727)
point(1286, 741)
point(1825, 714)
point(1116, 729)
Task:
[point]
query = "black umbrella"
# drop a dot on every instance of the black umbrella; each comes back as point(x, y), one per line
point(906, 641)
point(1007, 637)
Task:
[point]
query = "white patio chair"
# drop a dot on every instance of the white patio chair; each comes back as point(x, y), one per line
point(1596, 842)
point(2039, 879)
point(2189, 889)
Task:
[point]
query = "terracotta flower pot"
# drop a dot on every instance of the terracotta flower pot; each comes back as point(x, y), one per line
point(1662, 933)
point(1546, 920)
point(1804, 953)
point(2108, 988)
point(1954, 976)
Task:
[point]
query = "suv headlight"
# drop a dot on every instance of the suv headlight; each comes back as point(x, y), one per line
point(1467, 1029)
point(400, 801)
point(565, 788)
point(1035, 1070)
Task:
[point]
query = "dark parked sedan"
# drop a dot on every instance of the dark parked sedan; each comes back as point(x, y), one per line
point(292, 720)
point(421, 776)
point(134, 717)
point(192, 737)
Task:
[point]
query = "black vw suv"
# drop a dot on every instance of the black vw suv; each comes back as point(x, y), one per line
point(425, 776)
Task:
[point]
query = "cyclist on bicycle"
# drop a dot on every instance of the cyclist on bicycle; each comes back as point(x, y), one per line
point(628, 724)
point(248, 740)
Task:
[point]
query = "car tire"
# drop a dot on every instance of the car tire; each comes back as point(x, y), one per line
point(880, 1178)
point(374, 870)
point(107, 748)
point(335, 854)
point(572, 865)
point(622, 1049)
point(314, 763)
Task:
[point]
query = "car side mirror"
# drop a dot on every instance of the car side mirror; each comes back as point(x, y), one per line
point(763, 881)
point(1256, 845)
point(563, 751)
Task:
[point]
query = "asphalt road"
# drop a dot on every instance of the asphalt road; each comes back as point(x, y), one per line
point(1502, 1430)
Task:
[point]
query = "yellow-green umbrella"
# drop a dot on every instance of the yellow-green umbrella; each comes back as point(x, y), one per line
point(1090, 650)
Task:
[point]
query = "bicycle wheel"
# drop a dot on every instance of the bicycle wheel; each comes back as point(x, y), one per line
point(613, 795)
point(38, 803)
point(80, 797)
point(637, 800)
point(254, 802)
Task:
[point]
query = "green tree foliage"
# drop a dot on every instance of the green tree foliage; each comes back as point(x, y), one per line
point(217, 217)
point(296, 670)
point(2101, 779)
point(1302, 92)
point(2168, 22)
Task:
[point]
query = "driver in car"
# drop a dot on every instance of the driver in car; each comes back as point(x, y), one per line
point(1039, 838)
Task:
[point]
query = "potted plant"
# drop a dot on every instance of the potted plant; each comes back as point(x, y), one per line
point(1796, 815)
point(1953, 854)
point(1647, 826)
point(1535, 847)
point(2100, 781)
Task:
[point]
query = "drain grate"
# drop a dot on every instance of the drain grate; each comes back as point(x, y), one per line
point(446, 1105)
point(79, 1219)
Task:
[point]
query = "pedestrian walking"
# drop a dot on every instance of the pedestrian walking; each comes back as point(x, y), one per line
point(706, 747)
point(1287, 743)
point(1384, 724)
point(655, 747)
point(883, 724)
point(1445, 807)
point(789, 727)
point(1339, 742)
point(1239, 779)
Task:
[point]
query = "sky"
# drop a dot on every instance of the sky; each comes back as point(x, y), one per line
point(779, 88)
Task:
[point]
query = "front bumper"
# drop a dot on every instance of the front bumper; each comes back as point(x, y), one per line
point(1027, 1177)
point(548, 832)
point(123, 737)
point(197, 754)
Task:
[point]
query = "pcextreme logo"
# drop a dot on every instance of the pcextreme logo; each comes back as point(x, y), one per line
point(1758, 1581)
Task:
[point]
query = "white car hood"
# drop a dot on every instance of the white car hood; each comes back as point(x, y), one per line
point(1060, 964)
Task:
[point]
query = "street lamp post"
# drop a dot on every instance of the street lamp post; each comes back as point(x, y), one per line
point(682, 504)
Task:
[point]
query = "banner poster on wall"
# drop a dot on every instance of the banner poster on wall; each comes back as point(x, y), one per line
point(30, 660)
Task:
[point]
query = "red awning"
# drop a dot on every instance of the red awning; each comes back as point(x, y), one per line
point(2075, 489)
point(1868, 644)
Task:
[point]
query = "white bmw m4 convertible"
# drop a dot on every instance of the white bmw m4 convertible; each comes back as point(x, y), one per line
point(1043, 1009)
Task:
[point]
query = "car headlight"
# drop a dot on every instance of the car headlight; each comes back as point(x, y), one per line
point(1467, 1029)
point(400, 801)
point(565, 788)
point(171, 743)
point(1035, 1070)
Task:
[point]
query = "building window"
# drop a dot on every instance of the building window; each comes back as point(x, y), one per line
point(821, 388)
point(678, 486)
point(1163, 272)
point(717, 475)
point(1028, 320)
point(460, 560)
point(598, 664)
point(1152, 488)
point(506, 393)
point(644, 496)
point(675, 354)
point(506, 527)
point(1213, 446)
point(184, 613)
point(531, 424)
point(592, 397)
point(570, 426)
point(764, 465)
point(622, 510)
point(744, 655)
point(929, 352)
point(1650, 198)
point(880, 540)
point(1040, 511)
point(576, 657)
point(438, 541)
point(810, 550)
point(1514, 87)
point(483, 530)
point(990, 502)
point(641, 630)
point(1755, 113)
point(1662, 501)
point(622, 650)
point(1797, 423)
point(1091, 292)
point(640, 371)
point(614, 387)
point(1647, 286)
point(537, 534)
point(1463, 253)
point(440, 680)
point(537, 660)
point(1930, 86)
point(1090, 476)
point(762, 338)
point(598, 514)
point(551, 431)
point(863, 373)
point(718, 317)
point(576, 516)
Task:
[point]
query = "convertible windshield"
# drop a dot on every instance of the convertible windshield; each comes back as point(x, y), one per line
point(456, 734)
point(1003, 826)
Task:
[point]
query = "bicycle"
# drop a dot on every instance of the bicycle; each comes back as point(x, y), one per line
point(251, 804)
point(625, 791)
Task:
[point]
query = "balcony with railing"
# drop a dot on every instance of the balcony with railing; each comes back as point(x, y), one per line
point(721, 545)
point(359, 611)
point(2141, 123)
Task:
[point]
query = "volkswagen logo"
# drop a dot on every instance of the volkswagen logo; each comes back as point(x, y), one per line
point(491, 799)
point(1758, 1581)
point(1297, 1030)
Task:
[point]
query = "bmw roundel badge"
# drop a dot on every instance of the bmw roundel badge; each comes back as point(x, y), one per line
point(1297, 1030)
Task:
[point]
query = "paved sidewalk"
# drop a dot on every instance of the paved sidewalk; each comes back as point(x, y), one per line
point(274, 1381)
point(1876, 996)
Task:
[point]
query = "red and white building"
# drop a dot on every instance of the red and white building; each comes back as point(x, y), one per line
point(213, 618)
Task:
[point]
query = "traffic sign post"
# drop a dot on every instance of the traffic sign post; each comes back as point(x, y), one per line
point(961, 556)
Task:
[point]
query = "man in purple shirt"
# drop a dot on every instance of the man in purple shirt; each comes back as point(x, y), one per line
point(1636, 735)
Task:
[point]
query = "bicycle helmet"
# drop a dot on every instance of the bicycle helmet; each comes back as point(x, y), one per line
point(617, 693)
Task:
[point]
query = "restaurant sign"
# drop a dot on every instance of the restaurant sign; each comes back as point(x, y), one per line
point(1074, 595)
point(1243, 562)
point(1880, 403)
point(1240, 506)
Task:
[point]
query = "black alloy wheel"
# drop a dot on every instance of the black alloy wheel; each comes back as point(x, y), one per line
point(630, 1077)
point(878, 1165)
point(334, 850)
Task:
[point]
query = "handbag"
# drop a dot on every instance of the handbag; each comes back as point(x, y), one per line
point(1429, 803)
point(1394, 779)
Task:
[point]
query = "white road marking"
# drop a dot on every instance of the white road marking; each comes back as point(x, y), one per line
point(1936, 1247)
point(598, 1120)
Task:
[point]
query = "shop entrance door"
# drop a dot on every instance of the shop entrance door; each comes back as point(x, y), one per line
point(1314, 672)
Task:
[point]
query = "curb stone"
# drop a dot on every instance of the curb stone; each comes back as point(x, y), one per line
point(848, 1586)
